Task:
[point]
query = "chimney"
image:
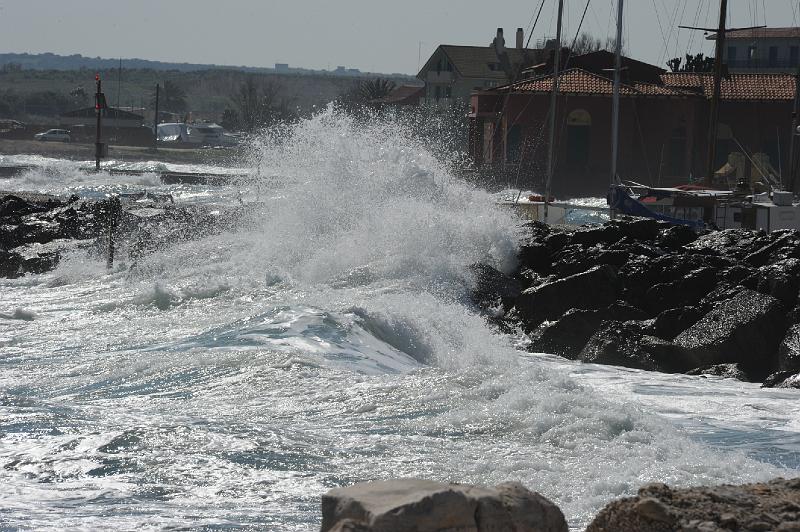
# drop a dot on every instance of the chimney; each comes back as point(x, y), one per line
point(499, 41)
point(520, 38)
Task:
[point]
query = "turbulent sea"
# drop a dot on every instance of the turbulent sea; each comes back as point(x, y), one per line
point(227, 382)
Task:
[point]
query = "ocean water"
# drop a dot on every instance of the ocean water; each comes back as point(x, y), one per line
point(228, 382)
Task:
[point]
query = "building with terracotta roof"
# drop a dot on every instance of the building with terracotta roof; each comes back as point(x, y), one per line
point(453, 72)
point(762, 49)
point(663, 128)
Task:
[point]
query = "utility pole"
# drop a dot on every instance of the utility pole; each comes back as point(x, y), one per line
point(119, 80)
point(99, 107)
point(155, 121)
point(553, 101)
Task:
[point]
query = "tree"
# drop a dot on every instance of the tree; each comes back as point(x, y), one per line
point(79, 95)
point(374, 89)
point(259, 105)
point(585, 44)
point(694, 63)
point(171, 98)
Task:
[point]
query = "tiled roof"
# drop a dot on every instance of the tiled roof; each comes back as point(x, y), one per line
point(737, 87)
point(760, 33)
point(403, 92)
point(577, 81)
point(475, 61)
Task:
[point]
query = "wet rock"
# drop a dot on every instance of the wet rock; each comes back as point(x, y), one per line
point(641, 229)
point(728, 371)
point(779, 279)
point(590, 290)
point(536, 256)
point(789, 350)
point(567, 335)
point(414, 505)
point(623, 311)
point(675, 237)
point(670, 323)
point(604, 234)
point(782, 379)
point(762, 506)
point(685, 291)
point(492, 287)
point(745, 329)
point(627, 344)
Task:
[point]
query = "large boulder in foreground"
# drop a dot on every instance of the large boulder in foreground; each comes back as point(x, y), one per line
point(416, 505)
point(745, 329)
point(773, 505)
point(628, 344)
point(593, 289)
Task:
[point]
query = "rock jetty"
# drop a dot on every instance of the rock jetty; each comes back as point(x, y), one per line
point(644, 294)
point(408, 505)
point(412, 505)
point(37, 229)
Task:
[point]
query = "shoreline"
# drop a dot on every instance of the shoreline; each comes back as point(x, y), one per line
point(85, 152)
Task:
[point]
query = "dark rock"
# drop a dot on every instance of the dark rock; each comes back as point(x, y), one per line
point(409, 505)
point(638, 228)
point(670, 323)
point(577, 258)
point(736, 274)
point(605, 234)
point(556, 241)
point(536, 256)
point(624, 311)
point(729, 371)
point(657, 508)
point(779, 279)
point(492, 287)
point(733, 243)
point(777, 243)
point(567, 335)
point(789, 350)
point(777, 379)
point(685, 291)
point(591, 290)
point(627, 344)
point(675, 237)
point(745, 329)
point(11, 205)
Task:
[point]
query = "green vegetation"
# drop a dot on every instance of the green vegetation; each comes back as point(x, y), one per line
point(39, 95)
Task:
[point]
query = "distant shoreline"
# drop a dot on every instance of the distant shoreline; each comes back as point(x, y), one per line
point(84, 152)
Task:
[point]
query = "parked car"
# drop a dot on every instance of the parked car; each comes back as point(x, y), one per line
point(57, 135)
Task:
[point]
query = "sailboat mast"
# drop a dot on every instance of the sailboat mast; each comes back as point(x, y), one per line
point(553, 113)
point(615, 104)
point(714, 118)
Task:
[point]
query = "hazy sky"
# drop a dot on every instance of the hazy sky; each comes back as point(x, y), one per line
point(372, 35)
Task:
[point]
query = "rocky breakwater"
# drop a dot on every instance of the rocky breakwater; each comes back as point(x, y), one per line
point(37, 229)
point(414, 505)
point(648, 295)
point(421, 505)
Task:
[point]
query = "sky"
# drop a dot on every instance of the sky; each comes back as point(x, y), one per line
point(371, 35)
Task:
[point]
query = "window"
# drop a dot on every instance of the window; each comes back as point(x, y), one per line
point(732, 54)
point(751, 52)
point(448, 92)
point(773, 56)
point(794, 56)
point(437, 93)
